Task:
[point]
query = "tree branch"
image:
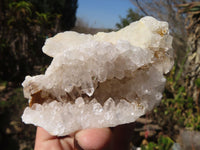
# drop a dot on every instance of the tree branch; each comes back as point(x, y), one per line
point(140, 7)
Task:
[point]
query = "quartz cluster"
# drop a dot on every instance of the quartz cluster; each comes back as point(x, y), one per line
point(100, 80)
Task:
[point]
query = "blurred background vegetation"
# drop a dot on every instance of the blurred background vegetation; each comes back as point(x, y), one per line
point(24, 26)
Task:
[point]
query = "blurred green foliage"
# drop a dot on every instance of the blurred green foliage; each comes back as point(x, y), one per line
point(130, 17)
point(177, 108)
point(197, 82)
point(163, 143)
point(14, 135)
point(24, 27)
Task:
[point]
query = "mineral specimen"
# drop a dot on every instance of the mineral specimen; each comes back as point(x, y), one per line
point(100, 80)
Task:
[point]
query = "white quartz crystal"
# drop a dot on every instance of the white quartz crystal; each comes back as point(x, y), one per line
point(100, 80)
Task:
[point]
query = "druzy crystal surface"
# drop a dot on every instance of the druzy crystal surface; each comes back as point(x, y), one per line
point(101, 80)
